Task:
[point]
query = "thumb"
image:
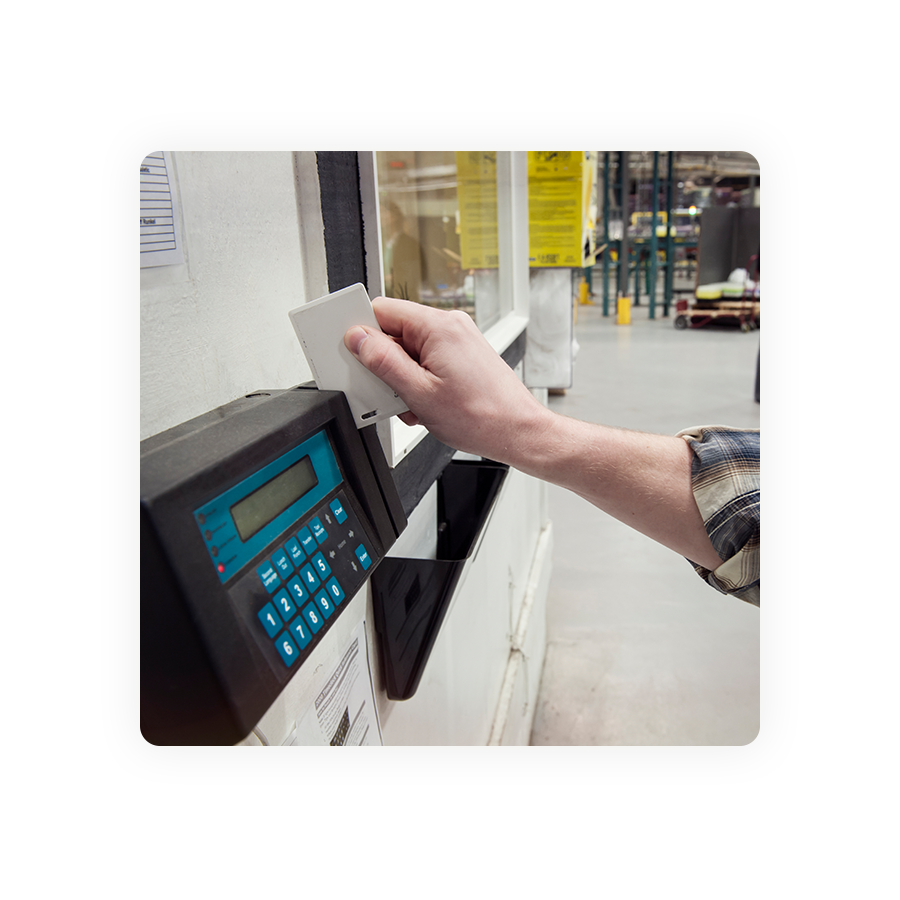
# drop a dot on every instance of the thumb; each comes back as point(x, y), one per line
point(385, 359)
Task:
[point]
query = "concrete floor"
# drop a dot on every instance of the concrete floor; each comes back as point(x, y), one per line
point(640, 651)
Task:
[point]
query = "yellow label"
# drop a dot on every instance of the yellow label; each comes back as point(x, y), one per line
point(476, 176)
point(558, 204)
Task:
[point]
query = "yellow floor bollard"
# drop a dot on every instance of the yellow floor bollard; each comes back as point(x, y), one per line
point(583, 292)
point(623, 311)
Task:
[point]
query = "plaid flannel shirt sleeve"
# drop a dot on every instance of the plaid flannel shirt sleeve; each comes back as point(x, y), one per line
point(725, 482)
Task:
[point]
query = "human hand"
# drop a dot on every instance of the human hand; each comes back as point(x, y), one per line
point(449, 376)
point(456, 385)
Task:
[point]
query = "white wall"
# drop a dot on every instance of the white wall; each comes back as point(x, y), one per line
point(217, 328)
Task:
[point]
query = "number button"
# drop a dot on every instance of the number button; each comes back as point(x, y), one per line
point(335, 591)
point(286, 649)
point(323, 570)
point(309, 578)
point(300, 632)
point(283, 604)
point(324, 604)
point(298, 592)
point(312, 615)
point(270, 620)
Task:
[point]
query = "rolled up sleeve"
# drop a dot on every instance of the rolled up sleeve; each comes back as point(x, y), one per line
point(725, 482)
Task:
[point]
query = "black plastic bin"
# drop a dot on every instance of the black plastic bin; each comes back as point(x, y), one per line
point(411, 596)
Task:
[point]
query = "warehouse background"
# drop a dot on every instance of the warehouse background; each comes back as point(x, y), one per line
point(640, 651)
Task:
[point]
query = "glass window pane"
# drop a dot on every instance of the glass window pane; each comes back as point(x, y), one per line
point(439, 241)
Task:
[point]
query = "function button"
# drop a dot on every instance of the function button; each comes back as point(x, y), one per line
point(318, 530)
point(268, 576)
point(322, 569)
point(363, 557)
point(335, 592)
point(338, 511)
point(295, 551)
point(297, 591)
point(309, 578)
point(300, 632)
point(307, 541)
point(282, 562)
point(286, 649)
point(324, 604)
point(270, 620)
point(313, 617)
point(284, 606)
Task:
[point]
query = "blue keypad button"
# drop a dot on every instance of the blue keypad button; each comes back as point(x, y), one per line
point(313, 617)
point(268, 576)
point(324, 604)
point(296, 590)
point(318, 530)
point(338, 511)
point(284, 606)
point(335, 591)
point(270, 620)
point(286, 649)
point(295, 551)
point(363, 557)
point(309, 578)
point(282, 562)
point(321, 567)
point(300, 632)
point(307, 541)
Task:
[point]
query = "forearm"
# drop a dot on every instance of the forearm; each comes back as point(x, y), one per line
point(466, 396)
point(643, 480)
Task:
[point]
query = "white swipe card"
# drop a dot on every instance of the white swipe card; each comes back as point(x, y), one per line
point(320, 326)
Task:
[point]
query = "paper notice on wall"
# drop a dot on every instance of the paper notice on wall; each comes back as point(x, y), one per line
point(561, 201)
point(161, 240)
point(344, 712)
point(476, 189)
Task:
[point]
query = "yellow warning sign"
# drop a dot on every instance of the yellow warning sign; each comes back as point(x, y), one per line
point(561, 208)
point(476, 178)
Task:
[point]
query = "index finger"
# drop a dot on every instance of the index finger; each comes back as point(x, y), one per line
point(405, 319)
point(393, 314)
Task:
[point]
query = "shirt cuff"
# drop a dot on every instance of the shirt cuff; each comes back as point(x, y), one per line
point(725, 483)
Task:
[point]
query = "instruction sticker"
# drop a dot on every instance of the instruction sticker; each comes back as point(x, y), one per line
point(161, 241)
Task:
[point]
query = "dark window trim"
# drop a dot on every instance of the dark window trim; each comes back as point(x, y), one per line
point(345, 256)
point(345, 259)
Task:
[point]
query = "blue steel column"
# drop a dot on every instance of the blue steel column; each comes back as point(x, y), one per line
point(622, 287)
point(637, 274)
point(654, 241)
point(605, 262)
point(670, 250)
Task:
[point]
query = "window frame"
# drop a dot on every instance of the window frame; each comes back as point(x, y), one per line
point(399, 440)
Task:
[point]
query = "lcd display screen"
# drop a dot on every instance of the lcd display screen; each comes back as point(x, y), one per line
point(256, 510)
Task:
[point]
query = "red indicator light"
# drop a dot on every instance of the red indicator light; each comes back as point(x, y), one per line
point(220, 567)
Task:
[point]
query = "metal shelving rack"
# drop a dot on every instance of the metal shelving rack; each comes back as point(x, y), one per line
point(631, 250)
